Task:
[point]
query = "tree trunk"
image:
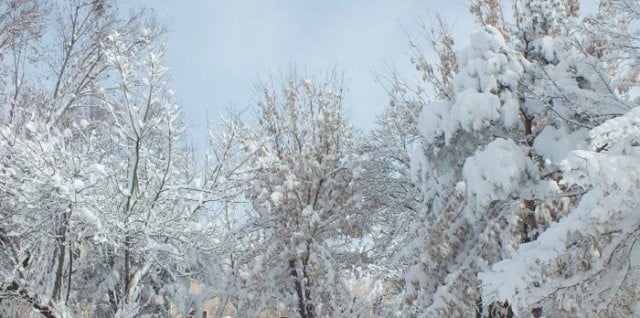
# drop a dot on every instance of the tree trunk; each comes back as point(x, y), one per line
point(304, 308)
point(70, 273)
point(132, 186)
point(62, 252)
point(303, 288)
point(127, 265)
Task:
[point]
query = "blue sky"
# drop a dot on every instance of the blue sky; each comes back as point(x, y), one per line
point(218, 50)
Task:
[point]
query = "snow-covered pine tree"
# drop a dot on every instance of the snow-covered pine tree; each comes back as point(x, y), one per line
point(584, 264)
point(465, 198)
point(489, 165)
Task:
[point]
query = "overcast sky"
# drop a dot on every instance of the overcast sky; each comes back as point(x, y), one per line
point(218, 50)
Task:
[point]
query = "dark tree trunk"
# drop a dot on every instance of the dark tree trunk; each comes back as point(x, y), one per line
point(305, 309)
point(62, 253)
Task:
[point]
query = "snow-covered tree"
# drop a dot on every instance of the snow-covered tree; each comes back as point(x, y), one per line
point(102, 210)
point(462, 139)
point(586, 263)
point(51, 146)
point(583, 264)
point(489, 170)
point(389, 196)
point(305, 207)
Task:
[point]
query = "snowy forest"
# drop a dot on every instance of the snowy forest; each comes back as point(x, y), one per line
point(501, 181)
